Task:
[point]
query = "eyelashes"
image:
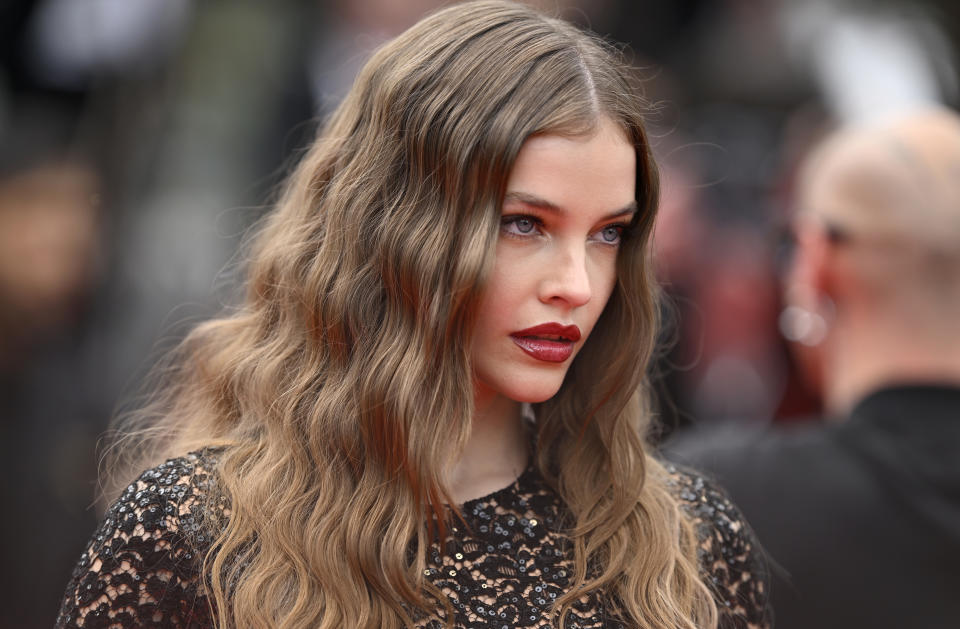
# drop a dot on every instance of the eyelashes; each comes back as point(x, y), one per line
point(521, 225)
point(615, 233)
point(526, 226)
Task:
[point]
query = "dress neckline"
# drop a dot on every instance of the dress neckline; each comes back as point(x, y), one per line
point(515, 487)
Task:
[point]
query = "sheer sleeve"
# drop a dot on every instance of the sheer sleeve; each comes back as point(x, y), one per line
point(140, 569)
point(730, 556)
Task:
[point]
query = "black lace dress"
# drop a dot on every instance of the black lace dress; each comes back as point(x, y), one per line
point(141, 567)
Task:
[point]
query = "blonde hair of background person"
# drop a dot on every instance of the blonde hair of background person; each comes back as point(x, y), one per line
point(877, 259)
point(345, 388)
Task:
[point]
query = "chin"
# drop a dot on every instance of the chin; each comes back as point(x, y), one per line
point(535, 397)
point(531, 389)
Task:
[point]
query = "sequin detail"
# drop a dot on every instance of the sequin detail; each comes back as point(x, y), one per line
point(503, 570)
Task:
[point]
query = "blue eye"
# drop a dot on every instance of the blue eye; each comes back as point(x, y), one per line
point(519, 225)
point(611, 234)
point(524, 225)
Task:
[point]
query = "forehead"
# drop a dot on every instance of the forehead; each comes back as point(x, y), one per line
point(861, 181)
point(595, 170)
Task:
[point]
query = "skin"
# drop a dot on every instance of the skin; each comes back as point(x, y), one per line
point(895, 301)
point(567, 200)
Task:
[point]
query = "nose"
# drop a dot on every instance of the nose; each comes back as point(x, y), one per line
point(566, 278)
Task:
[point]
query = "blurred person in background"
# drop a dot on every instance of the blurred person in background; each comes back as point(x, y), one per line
point(863, 512)
point(50, 269)
point(122, 195)
point(49, 238)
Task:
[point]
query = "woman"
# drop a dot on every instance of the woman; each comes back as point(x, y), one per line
point(468, 233)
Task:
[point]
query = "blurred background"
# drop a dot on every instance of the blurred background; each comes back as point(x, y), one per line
point(140, 139)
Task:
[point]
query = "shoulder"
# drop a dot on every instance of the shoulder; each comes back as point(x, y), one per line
point(166, 500)
point(724, 445)
point(731, 559)
point(142, 563)
point(759, 468)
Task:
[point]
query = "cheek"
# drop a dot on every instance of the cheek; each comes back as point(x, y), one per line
point(494, 312)
point(507, 285)
point(604, 280)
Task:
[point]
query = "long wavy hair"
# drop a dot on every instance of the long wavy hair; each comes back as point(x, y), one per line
point(341, 388)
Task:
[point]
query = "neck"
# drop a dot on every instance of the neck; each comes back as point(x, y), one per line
point(496, 451)
point(863, 357)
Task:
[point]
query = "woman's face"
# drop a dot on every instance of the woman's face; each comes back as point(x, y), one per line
point(568, 200)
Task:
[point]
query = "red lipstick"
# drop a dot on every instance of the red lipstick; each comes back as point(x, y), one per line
point(549, 342)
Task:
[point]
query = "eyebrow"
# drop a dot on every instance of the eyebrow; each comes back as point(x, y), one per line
point(543, 204)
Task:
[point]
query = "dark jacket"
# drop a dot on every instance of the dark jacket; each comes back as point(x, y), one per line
point(862, 515)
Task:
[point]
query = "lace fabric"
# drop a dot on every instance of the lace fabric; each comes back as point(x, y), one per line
point(504, 570)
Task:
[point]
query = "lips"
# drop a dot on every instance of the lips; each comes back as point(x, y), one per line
point(549, 342)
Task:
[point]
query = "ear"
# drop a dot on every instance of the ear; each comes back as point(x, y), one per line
point(811, 267)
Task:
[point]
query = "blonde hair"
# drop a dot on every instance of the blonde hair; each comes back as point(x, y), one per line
point(342, 386)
